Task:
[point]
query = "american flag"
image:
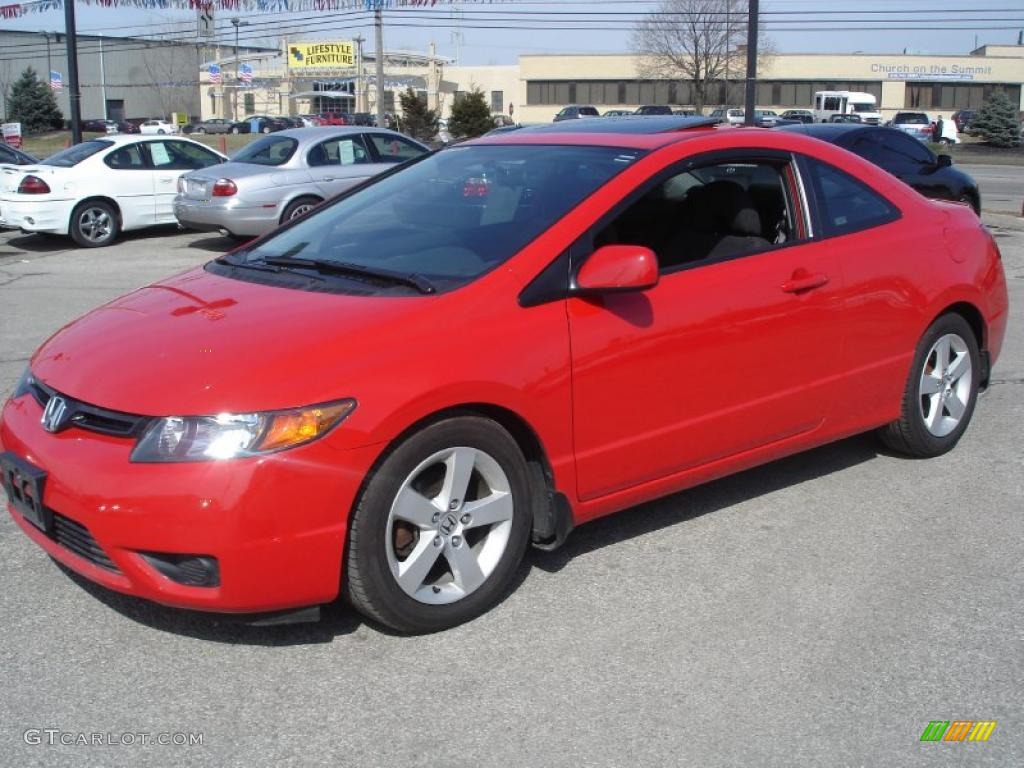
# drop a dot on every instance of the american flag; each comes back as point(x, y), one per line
point(215, 74)
point(245, 74)
point(55, 80)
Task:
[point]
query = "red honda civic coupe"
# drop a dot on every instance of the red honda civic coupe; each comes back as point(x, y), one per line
point(392, 397)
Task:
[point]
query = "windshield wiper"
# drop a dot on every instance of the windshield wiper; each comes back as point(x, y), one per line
point(260, 266)
point(327, 266)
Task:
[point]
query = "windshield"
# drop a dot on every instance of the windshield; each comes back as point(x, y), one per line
point(76, 154)
point(451, 216)
point(911, 118)
point(862, 106)
point(592, 111)
point(270, 150)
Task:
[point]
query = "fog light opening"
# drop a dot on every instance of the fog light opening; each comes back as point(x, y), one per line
point(188, 570)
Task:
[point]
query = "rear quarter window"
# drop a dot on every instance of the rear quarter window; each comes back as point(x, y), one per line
point(844, 204)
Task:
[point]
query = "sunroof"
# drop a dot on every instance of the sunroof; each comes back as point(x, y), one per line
point(638, 124)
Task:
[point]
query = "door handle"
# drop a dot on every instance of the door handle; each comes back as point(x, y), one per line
point(804, 282)
point(166, 179)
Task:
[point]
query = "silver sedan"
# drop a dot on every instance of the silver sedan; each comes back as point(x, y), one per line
point(284, 175)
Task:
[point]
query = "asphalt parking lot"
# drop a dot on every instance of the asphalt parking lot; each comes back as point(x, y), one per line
point(820, 610)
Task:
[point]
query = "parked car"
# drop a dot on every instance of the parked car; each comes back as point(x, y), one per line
point(95, 190)
point(575, 112)
point(617, 113)
point(799, 115)
point(310, 121)
point(360, 118)
point(285, 175)
point(332, 119)
point(728, 116)
point(393, 397)
point(904, 157)
point(11, 156)
point(852, 117)
point(123, 126)
point(651, 109)
point(502, 120)
point(264, 124)
point(916, 124)
point(213, 125)
point(157, 127)
point(962, 118)
point(99, 126)
point(765, 118)
point(686, 112)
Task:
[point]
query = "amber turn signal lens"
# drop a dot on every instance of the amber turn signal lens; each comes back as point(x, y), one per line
point(288, 428)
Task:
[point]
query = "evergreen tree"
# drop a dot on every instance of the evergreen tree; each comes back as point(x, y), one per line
point(471, 116)
point(417, 121)
point(997, 121)
point(32, 104)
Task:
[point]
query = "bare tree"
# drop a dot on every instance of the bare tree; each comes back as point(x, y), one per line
point(7, 78)
point(700, 41)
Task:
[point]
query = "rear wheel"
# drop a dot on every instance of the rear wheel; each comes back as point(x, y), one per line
point(299, 207)
point(441, 527)
point(940, 392)
point(200, 129)
point(234, 129)
point(94, 224)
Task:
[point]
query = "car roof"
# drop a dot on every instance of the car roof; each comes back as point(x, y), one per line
point(323, 131)
point(631, 132)
point(830, 131)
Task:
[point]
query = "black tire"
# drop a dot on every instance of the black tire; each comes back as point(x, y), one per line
point(297, 205)
point(234, 129)
point(369, 584)
point(80, 232)
point(265, 129)
point(909, 434)
point(200, 130)
point(162, 132)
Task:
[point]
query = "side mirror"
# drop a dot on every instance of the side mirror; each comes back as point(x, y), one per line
point(616, 269)
point(944, 161)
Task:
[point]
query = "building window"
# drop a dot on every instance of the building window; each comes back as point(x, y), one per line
point(950, 96)
point(249, 103)
point(213, 103)
point(497, 101)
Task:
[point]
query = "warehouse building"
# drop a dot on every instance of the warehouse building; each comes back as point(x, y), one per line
point(120, 77)
point(536, 88)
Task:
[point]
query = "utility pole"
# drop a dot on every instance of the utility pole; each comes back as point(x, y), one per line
point(378, 30)
point(359, 40)
point(236, 23)
point(751, 95)
point(74, 93)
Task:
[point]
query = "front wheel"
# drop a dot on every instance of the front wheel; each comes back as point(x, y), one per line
point(200, 130)
point(266, 129)
point(235, 129)
point(162, 132)
point(439, 531)
point(299, 207)
point(940, 393)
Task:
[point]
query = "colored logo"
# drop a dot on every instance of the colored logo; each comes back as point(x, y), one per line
point(958, 730)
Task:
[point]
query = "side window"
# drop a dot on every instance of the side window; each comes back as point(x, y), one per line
point(126, 158)
point(709, 213)
point(179, 156)
point(394, 149)
point(909, 150)
point(846, 205)
point(344, 150)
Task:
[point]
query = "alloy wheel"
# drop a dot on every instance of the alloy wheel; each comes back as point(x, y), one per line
point(95, 224)
point(945, 384)
point(449, 525)
point(299, 210)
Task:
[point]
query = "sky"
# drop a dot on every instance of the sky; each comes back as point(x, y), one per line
point(502, 46)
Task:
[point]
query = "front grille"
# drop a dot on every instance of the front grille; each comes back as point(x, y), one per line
point(90, 417)
point(76, 537)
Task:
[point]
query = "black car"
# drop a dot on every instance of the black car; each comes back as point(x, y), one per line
point(12, 156)
point(798, 116)
point(265, 124)
point(903, 156)
point(651, 109)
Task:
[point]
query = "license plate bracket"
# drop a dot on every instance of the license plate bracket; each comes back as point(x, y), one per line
point(24, 486)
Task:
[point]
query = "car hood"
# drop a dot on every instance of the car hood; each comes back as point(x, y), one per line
point(199, 343)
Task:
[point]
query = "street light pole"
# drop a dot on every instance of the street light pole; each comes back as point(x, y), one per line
point(236, 23)
point(378, 23)
point(750, 100)
point(74, 92)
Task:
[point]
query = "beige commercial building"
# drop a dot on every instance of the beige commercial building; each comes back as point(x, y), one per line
point(540, 85)
point(533, 90)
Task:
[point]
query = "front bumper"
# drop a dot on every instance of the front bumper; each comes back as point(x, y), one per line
point(275, 524)
point(51, 216)
point(226, 213)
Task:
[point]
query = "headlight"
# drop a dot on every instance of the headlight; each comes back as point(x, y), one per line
point(234, 435)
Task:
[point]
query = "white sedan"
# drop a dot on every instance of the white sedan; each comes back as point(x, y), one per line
point(99, 188)
point(157, 127)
